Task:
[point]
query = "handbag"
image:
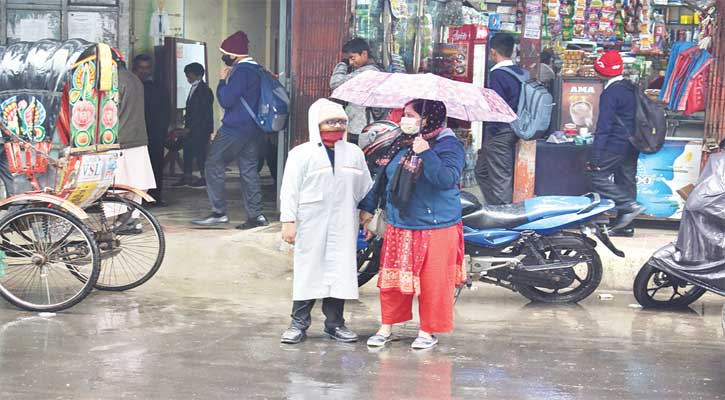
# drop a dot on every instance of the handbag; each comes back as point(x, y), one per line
point(378, 223)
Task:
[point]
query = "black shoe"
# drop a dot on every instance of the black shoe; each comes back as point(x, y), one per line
point(626, 215)
point(622, 232)
point(254, 223)
point(293, 335)
point(183, 182)
point(342, 334)
point(157, 204)
point(213, 219)
point(200, 184)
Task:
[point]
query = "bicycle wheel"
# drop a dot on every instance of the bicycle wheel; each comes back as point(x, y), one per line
point(45, 251)
point(131, 241)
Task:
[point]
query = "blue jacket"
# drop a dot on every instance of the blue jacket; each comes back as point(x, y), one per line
point(436, 201)
point(509, 88)
point(243, 81)
point(617, 110)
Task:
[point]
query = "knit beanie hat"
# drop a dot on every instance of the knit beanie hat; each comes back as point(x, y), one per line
point(610, 64)
point(330, 110)
point(236, 45)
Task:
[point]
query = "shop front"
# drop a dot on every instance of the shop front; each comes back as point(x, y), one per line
point(666, 47)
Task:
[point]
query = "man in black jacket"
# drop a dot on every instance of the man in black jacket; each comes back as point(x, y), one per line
point(157, 120)
point(199, 125)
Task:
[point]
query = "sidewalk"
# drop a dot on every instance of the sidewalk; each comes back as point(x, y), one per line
point(186, 204)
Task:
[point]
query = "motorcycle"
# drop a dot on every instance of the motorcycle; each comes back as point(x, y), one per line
point(683, 271)
point(540, 248)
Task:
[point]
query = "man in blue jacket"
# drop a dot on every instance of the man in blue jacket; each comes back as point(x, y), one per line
point(495, 164)
point(239, 137)
point(613, 165)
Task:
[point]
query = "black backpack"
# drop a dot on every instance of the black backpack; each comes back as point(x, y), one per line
point(650, 124)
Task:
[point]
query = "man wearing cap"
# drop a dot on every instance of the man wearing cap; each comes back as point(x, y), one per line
point(324, 181)
point(613, 163)
point(239, 138)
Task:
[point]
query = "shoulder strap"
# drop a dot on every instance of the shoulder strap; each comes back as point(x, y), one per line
point(510, 71)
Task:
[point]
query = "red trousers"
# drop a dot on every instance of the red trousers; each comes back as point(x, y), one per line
point(437, 286)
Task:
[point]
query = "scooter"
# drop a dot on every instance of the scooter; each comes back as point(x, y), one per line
point(683, 271)
point(540, 248)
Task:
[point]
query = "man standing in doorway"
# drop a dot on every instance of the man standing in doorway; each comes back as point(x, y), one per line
point(495, 164)
point(157, 120)
point(239, 137)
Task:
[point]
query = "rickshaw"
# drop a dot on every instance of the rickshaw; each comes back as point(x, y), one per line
point(65, 226)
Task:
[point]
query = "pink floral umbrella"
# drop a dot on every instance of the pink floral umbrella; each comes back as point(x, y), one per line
point(464, 101)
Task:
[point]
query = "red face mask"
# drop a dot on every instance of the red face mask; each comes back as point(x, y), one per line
point(331, 137)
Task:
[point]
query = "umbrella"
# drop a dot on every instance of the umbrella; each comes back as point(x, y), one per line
point(464, 101)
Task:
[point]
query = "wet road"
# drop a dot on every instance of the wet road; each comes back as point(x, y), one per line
point(208, 325)
point(159, 343)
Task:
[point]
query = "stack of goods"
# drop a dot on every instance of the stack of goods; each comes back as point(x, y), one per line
point(573, 60)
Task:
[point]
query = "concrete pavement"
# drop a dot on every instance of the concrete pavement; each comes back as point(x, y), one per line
point(208, 325)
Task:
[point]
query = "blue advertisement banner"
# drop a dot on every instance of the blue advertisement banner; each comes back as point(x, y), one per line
point(663, 178)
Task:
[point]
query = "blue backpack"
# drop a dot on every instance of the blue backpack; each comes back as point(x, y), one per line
point(534, 108)
point(273, 111)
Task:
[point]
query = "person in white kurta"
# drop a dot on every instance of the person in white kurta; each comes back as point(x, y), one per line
point(324, 180)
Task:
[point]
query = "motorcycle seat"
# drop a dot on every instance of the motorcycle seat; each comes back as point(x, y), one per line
point(508, 216)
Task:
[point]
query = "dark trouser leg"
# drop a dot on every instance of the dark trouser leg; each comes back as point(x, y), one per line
point(495, 167)
point(301, 310)
point(333, 309)
point(195, 146)
point(615, 177)
point(223, 150)
point(248, 157)
point(189, 155)
point(156, 154)
point(5, 174)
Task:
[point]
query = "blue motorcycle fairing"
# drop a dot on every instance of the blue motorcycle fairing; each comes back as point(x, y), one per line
point(489, 237)
point(556, 223)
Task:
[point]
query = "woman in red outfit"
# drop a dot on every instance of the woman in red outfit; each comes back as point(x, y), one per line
point(422, 253)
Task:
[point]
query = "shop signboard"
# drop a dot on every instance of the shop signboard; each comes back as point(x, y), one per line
point(664, 179)
point(580, 103)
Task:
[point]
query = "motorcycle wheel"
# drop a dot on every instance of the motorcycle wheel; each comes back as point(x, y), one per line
point(368, 262)
point(657, 289)
point(568, 246)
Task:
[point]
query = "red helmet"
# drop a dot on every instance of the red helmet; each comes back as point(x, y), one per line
point(375, 140)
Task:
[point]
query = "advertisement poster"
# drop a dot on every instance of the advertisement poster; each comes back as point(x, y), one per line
point(580, 103)
point(666, 177)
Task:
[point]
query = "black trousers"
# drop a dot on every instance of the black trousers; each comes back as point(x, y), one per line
point(156, 154)
point(495, 167)
point(614, 176)
point(331, 307)
point(195, 147)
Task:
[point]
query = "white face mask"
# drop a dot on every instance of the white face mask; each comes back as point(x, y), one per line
point(410, 125)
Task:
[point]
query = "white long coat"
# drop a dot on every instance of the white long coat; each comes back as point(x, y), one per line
point(324, 206)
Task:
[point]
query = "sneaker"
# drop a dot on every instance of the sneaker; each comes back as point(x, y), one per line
point(342, 334)
point(199, 184)
point(422, 343)
point(213, 219)
point(293, 335)
point(379, 340)
point(254, 223)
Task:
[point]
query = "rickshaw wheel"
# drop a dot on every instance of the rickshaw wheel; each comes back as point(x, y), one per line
point(44, 252)
point(131, 242)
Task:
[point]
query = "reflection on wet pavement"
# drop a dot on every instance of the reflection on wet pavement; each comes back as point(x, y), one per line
point(208, 325)
point(149, 344)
